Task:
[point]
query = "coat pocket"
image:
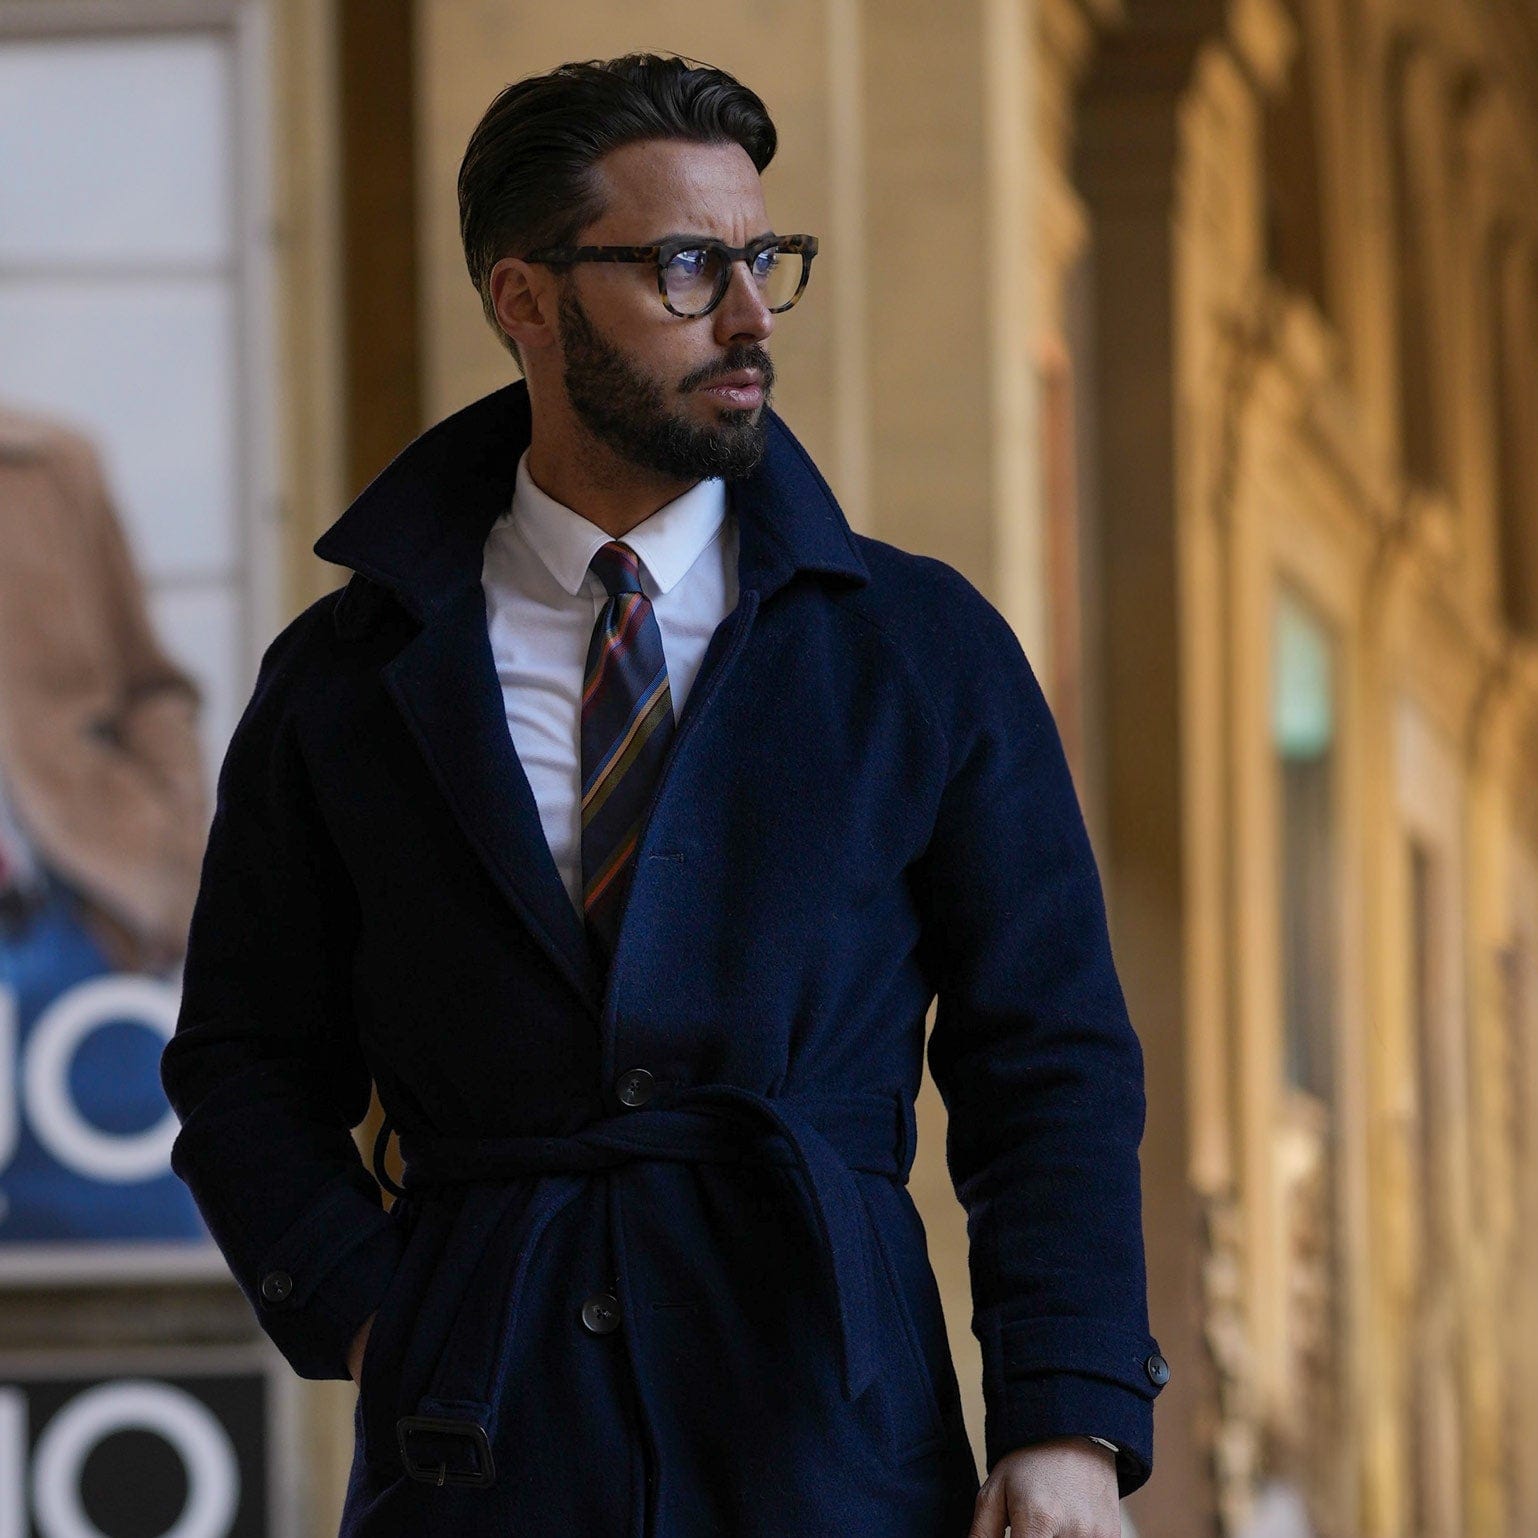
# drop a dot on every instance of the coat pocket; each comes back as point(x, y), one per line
point(911, 1408)
point(444, 1236)
point(382, 1350)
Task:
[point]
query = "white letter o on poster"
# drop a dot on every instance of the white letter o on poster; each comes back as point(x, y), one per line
point(213, 1475)
point(52, 1112)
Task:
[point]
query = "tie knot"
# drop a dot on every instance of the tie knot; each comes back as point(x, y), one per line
point(618, 567)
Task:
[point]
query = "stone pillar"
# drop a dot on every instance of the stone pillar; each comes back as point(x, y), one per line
point(1128, 172)
point(1168, 166)
point(308, 256)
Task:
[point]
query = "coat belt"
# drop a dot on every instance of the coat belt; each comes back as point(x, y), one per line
point(825, 1135)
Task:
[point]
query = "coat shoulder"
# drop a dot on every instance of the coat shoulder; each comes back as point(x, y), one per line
point(294, 662)
point(954, 637)
point(310, 629)
point(344, 614)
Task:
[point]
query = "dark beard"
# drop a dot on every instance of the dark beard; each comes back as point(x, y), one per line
point(625, 409)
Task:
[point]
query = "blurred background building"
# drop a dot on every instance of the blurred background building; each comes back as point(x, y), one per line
point(1203, 336)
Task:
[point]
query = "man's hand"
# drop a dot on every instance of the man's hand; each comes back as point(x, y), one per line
point(355, 1351)
point(1062, 1488)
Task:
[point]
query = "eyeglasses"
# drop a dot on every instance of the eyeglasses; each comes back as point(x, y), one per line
point(694, 270)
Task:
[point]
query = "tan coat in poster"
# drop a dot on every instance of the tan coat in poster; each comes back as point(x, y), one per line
point(99, 751)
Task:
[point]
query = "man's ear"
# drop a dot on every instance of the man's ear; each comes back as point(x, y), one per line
point(524, 299)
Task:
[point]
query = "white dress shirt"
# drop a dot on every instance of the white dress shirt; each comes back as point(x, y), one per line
point(542, 603)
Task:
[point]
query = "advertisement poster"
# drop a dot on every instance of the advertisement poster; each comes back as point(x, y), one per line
point(127, 437)
point(102, 813)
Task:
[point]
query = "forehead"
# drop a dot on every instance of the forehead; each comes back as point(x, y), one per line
point(668, 184)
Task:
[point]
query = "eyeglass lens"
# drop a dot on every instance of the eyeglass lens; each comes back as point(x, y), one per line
point(691, 277)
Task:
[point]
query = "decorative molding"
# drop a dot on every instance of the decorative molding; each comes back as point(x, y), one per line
point(1264, 40)
point(1235, 1438)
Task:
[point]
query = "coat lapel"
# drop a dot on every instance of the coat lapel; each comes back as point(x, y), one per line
point(445, 684)
point(419, 529)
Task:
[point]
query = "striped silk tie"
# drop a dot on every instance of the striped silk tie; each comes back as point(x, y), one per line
point(627, 720)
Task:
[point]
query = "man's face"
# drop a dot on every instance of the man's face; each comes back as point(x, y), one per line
point(638, 376)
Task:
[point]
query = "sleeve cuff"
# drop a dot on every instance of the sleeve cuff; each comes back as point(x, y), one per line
point(314, 1287)
point(1059, 1376)
point(1062, 1404)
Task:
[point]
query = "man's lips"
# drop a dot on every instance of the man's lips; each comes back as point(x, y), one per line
point(742, 388)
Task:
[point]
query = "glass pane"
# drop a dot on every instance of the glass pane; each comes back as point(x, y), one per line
point(147, 369)
point(1301, 699)
point(142, 175)
point(1303, 738)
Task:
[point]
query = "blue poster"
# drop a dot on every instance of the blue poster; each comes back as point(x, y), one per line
point(85, 1128)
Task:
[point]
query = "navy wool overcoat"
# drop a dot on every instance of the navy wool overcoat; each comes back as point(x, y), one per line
point(657, 1271)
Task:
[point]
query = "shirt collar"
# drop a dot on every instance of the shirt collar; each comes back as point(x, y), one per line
point(419, 528)
point(667, 541)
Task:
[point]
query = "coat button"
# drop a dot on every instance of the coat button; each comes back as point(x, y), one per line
point(600, 1313)
point(635, 1087)
point(276, 1286)
point(1157, 1369)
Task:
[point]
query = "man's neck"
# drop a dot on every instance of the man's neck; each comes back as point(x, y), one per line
point(591, 479)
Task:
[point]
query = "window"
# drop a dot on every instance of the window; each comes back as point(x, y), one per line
point(1304, 739)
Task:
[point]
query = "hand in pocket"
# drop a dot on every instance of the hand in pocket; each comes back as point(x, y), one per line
point(355, 1352)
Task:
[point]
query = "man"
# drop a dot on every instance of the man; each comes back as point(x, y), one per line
point(622, 817)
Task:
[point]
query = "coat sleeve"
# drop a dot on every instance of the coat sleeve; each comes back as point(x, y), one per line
point(264, 1068)
point(1036, 1060)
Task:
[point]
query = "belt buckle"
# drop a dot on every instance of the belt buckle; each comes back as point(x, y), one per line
point(440, 1473)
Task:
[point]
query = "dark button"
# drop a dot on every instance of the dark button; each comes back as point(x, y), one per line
point(1157, 1369)
point(276, 1286)
point(600, 1313)
point(635, 1087)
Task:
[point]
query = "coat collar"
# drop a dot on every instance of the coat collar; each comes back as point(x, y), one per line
point(419, 528)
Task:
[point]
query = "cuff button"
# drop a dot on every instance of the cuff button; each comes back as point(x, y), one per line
point(1157, 1369)
point(276, 1286)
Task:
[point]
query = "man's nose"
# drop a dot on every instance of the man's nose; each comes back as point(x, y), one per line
point(742, 310)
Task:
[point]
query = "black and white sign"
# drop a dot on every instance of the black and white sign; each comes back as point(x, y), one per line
point(150, 1449)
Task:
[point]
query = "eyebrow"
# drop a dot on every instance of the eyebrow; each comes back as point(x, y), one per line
point(695, 235)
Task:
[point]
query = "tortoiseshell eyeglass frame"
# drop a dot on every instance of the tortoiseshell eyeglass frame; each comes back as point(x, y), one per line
point(664, 252)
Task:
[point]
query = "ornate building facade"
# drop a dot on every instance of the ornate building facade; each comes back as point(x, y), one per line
point(1291, 270)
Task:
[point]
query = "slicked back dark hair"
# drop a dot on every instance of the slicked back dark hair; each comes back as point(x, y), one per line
point(527, 177)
